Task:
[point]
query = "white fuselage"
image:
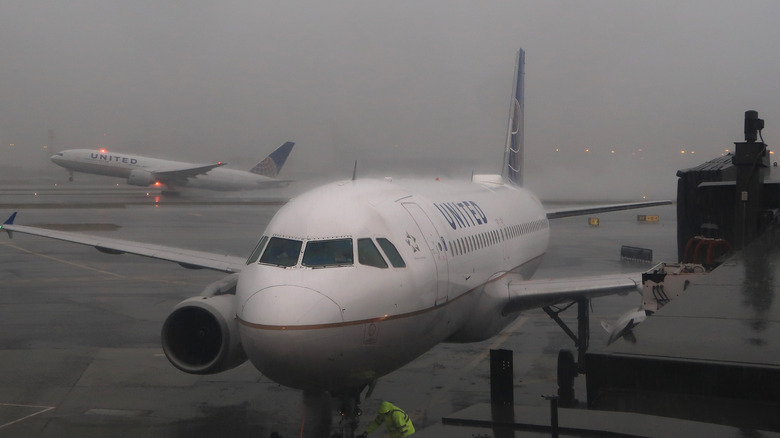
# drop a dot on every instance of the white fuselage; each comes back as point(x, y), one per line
point(345, 325)
point(98, 162)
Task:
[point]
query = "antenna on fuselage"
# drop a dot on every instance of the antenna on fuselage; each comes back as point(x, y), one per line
point(354, 171)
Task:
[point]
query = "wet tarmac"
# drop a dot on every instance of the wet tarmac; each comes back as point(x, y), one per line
point(80, 350)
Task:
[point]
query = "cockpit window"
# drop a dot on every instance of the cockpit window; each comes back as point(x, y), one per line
point(368, 254)
point(258, 249)
point(392, 253)
point(281, 252)
point(323, 253)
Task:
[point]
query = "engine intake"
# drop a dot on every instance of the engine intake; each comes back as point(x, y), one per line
point(201, 336)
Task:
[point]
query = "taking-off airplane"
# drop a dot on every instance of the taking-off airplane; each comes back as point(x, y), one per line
point(145, 171)
point(353, 280)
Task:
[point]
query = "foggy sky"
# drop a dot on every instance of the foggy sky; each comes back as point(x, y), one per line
point(404, 87)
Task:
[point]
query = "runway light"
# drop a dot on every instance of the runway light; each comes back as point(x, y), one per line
point(682, 152)
point(587, 150)
point(612, 151)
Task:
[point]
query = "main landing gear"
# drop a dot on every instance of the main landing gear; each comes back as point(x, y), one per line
point(568, 369)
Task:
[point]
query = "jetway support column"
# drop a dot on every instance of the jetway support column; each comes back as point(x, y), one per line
point(751, 160)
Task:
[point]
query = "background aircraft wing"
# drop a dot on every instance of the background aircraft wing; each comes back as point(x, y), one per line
point(555, 214)
point(531, 294)
point(183, 174)
point(185, 257)
point(274, 183)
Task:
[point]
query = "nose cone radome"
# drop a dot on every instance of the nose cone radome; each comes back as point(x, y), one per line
point(290, 334)
point(289, 306)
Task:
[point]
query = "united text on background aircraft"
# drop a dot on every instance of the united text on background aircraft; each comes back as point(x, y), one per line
point(354, 279)
point(145, 171)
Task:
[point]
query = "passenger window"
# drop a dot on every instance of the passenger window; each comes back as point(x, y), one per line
point(258, 249)
point(391, 252)
point(324, 253)
point(369, 255)
point(281, 252)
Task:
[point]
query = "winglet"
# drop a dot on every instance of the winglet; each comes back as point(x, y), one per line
point(9, 221)
point(272, 164)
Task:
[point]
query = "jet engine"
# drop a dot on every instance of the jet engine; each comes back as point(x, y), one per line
point(201, 335)
point(140, 177)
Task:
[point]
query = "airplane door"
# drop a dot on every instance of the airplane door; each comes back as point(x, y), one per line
point(435, 244)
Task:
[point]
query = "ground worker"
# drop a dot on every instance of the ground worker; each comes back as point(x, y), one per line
point(397, 422)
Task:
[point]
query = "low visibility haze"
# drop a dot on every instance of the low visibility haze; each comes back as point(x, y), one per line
point(615, 90)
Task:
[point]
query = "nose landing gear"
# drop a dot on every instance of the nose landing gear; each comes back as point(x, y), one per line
point(350, 412)
point(318, 415)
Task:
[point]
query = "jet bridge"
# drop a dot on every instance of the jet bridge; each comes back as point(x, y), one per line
point(710, 354)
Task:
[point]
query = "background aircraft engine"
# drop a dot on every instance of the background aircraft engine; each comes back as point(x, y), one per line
point(201, 336)
point(140, 177)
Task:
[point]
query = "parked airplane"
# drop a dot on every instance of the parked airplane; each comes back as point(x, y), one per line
point(145, 171)
point(354, 279)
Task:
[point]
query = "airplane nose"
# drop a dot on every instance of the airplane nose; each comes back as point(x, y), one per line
point(291, 334)
point(287, 306)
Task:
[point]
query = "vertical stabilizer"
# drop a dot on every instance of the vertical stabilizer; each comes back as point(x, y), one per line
point(272, 164)
point(513, 155)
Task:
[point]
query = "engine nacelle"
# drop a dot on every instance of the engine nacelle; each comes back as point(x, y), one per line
point(140, 177)
point(201, 335)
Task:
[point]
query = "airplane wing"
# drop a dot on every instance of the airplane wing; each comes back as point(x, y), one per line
point(531, 294)
point(556, 214)
point(183, 174)
point(187, 258)
point(274, 183)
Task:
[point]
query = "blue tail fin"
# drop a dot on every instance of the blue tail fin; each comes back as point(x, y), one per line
point(513, 155)
point(272, 164)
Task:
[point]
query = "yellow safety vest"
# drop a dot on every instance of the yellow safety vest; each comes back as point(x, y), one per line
point(398, 423)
